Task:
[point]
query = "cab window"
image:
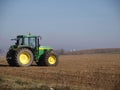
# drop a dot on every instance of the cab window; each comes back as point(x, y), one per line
point(32, 42)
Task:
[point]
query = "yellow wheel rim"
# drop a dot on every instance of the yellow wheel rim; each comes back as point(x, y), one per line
point(24, 58)
point(52, 59)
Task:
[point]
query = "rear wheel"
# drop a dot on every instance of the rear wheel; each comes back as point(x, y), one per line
point(24, 57)
point(10, 57)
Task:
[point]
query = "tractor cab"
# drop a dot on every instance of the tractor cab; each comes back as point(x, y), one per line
point(28, 40)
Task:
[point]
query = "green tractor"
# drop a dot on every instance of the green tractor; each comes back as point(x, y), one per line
point(27, 49)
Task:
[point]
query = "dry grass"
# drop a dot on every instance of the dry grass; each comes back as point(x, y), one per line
point(84, 72)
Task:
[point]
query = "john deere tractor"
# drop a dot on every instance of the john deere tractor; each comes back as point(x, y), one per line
point(27, 49)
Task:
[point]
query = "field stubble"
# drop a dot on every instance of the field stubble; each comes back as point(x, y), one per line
point(98, 71)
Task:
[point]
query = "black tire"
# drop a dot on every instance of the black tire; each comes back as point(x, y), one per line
point(51, 55)
point(28, 54)
point(10, 57)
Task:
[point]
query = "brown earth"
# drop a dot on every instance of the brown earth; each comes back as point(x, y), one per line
point(99, 71)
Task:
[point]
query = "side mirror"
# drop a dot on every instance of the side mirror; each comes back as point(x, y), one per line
point(14, 39)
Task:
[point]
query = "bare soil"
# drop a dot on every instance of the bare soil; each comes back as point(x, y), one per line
point(98, 71)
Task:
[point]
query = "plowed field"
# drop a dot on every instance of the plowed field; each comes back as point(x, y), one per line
point(97, 71)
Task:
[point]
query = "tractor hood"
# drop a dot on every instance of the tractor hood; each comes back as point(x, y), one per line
point(45, 48)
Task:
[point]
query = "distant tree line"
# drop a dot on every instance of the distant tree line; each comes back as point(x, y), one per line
point(2, 52)
point(60, 51)
point(90, 51)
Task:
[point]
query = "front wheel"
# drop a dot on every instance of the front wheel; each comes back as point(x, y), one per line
point(51, 59)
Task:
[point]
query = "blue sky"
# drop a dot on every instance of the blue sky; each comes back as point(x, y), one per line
point(67, 24)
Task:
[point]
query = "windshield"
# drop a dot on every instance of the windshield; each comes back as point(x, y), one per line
point(27, 41)
point(31, 42)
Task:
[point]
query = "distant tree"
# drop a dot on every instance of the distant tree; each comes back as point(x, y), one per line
point(0, 51)
point(60, 51)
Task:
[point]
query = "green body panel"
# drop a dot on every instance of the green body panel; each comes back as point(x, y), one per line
point(39, 52)
point(13, 47)
point(42, 50)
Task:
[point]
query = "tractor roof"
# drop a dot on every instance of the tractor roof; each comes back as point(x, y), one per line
point(26, 36)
